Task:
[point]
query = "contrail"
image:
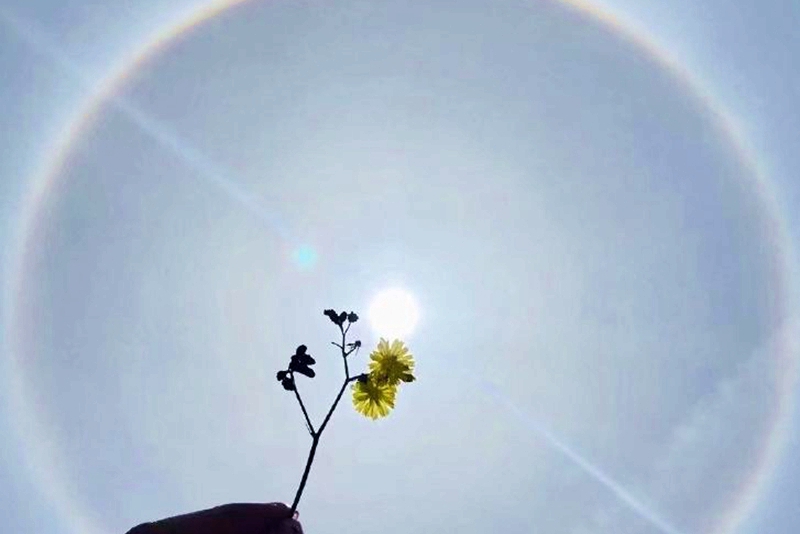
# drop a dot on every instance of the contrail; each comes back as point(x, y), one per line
point(205, 168)
point(592, 470)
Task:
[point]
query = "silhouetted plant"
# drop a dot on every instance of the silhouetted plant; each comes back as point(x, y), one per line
point(374, 393)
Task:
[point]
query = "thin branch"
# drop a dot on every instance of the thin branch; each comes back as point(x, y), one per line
point(341, 390)
point(306, 471)
point(303, 407)
point(344, 355)
point(315, 435)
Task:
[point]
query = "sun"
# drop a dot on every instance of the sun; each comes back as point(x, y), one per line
point(393, 313)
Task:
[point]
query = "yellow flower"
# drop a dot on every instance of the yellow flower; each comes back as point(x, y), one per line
point(391, 364)
point(373, 400)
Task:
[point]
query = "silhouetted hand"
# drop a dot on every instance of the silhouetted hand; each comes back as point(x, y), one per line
point(239, 518)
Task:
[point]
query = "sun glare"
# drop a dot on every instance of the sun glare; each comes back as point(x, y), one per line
point(393, 313)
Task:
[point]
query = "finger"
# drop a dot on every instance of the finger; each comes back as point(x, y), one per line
point(287, 526)
point(237, 518)
point(276, 510)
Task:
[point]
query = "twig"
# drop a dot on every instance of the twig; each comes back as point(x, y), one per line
point(306, 471)
point(315, 435)
point(303, 407)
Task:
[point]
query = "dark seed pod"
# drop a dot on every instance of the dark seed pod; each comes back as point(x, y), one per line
point(281, 375)
point(305, 370)
point(330, 314)
point(288, 383)
point(352, 317)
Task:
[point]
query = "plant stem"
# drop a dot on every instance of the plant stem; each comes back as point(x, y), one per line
point(315, 436)
point(311, 453)
point(303, 407)
point(347, 380)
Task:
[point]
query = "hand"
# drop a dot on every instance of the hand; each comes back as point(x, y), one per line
point(240, 518)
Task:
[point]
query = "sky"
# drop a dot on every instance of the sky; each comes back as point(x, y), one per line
point(593, 204)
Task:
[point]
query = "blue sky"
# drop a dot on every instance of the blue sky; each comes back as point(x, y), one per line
point(602, 342)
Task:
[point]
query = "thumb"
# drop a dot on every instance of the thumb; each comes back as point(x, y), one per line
point(288, 526)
